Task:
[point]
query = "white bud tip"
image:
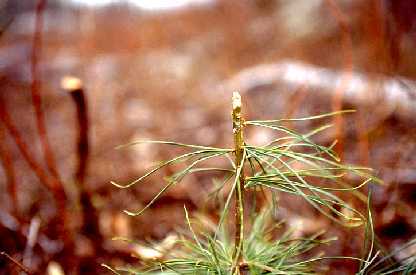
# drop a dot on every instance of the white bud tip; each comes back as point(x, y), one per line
point(70, 83)
point(236, 100)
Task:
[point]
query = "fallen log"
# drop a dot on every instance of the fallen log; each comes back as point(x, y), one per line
point(395, 95)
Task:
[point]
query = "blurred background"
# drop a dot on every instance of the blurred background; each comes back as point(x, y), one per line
point(166, 69)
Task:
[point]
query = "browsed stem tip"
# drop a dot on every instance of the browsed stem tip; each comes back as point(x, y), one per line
point(236, 100)
point(117, 185)
point(71, 83)
point(132, 213)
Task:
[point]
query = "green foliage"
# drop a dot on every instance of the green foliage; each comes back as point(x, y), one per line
point(263, 253)
point(291, 163)
point(389, 264)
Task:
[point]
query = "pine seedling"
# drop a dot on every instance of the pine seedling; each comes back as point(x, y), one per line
point(388, 263)
point(291, 163)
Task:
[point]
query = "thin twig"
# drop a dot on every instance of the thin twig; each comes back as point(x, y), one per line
point(32, 237)
point(6, 26)
point(362, 137)
point(90, 226)
point(36, 90)
point(21, 266)
point(6, 159)
point(51, 183)
point(58, 189)
point(337, 99)
point(74, 87)
point(295, 101)
point(23, 147)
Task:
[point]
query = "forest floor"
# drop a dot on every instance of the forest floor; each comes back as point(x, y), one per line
point(170, 76)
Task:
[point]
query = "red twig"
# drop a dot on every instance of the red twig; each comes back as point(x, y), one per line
point(295, 101)
point(377, 36)
point(7, 162)
point(51, 183)
point(346, 43)
point(21, 266)
point(65, 231)
point(23, 148)
point(90, 227)
point(6, 26)
point(36, 88)
point(362, 136)
point(74, 87)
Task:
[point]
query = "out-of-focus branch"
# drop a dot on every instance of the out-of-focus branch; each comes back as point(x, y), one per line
point(90, 227)
point(74, 87)
point(8, 166)
point(32, 237)
point(346, 45)
point(295, 101)
point(6, 26)
point(24, 148)
point(65, 231)
point(394, 96)
point(51, 183)
point(51, 180)
point(16, 262)
point(36, 90)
